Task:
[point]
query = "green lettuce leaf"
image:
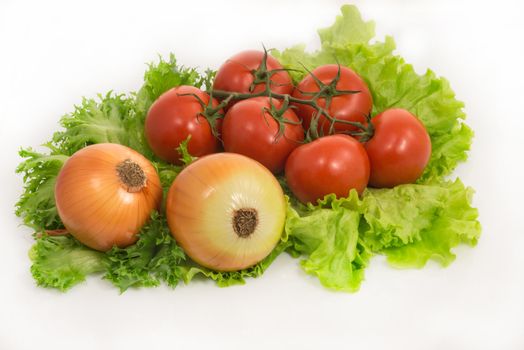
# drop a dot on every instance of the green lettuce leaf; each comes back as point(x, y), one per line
point(37, 203)
point(393, 83)
point(410, 224)
point(155, 257)
point(110, 118)
point(348, 28)
point(328, 235)
point(396, 217)
point(453, 221)
point(61, 262)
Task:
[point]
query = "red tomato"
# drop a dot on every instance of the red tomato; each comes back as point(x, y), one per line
point(249, 129)
point(331, 164)
point(238, 73)
point(349, 107)
point(172, 118)
point(399, 150)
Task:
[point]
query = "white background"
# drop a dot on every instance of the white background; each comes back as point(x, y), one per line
point(52, 53)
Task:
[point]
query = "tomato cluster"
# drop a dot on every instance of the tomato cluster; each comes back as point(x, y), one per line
point(318, 132)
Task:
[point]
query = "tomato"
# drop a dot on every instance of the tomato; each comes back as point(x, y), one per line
point(250, 129)
point(348, 107)
point(172, 118)
point(331, 164)
point(399, 149)
point(238, 73)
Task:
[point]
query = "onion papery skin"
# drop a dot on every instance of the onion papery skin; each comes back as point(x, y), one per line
point(203, 199)
point(94, 204)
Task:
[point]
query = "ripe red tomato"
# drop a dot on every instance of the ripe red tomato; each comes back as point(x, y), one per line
point(399, 150)
point(249, 129)
point(331, 164)
point(172, 118)
point(238, 73)
point(349, 107)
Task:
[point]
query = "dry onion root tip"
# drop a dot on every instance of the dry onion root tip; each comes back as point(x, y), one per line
point(245, 221)
point(131, 175)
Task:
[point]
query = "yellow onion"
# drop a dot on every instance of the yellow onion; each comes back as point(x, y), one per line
point(105, 193)
point(226, 211)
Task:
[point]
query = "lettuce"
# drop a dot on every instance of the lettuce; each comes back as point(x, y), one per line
point(328, 235)
point(395, 217)
point(410, 224)
point(37, 204)
point(109, 118)
point(61, 262)
point(155, 257)
point(334, 239)
point(454, 221)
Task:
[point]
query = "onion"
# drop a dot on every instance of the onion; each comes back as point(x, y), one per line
point(226, 211)
point(105, 193)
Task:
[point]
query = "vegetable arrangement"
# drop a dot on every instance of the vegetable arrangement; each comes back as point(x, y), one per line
point(136, 186)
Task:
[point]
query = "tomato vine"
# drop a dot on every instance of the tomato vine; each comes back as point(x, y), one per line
point(262, 75)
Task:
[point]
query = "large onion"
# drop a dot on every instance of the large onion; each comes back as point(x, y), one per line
point(227, 211)
point(105, 193)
